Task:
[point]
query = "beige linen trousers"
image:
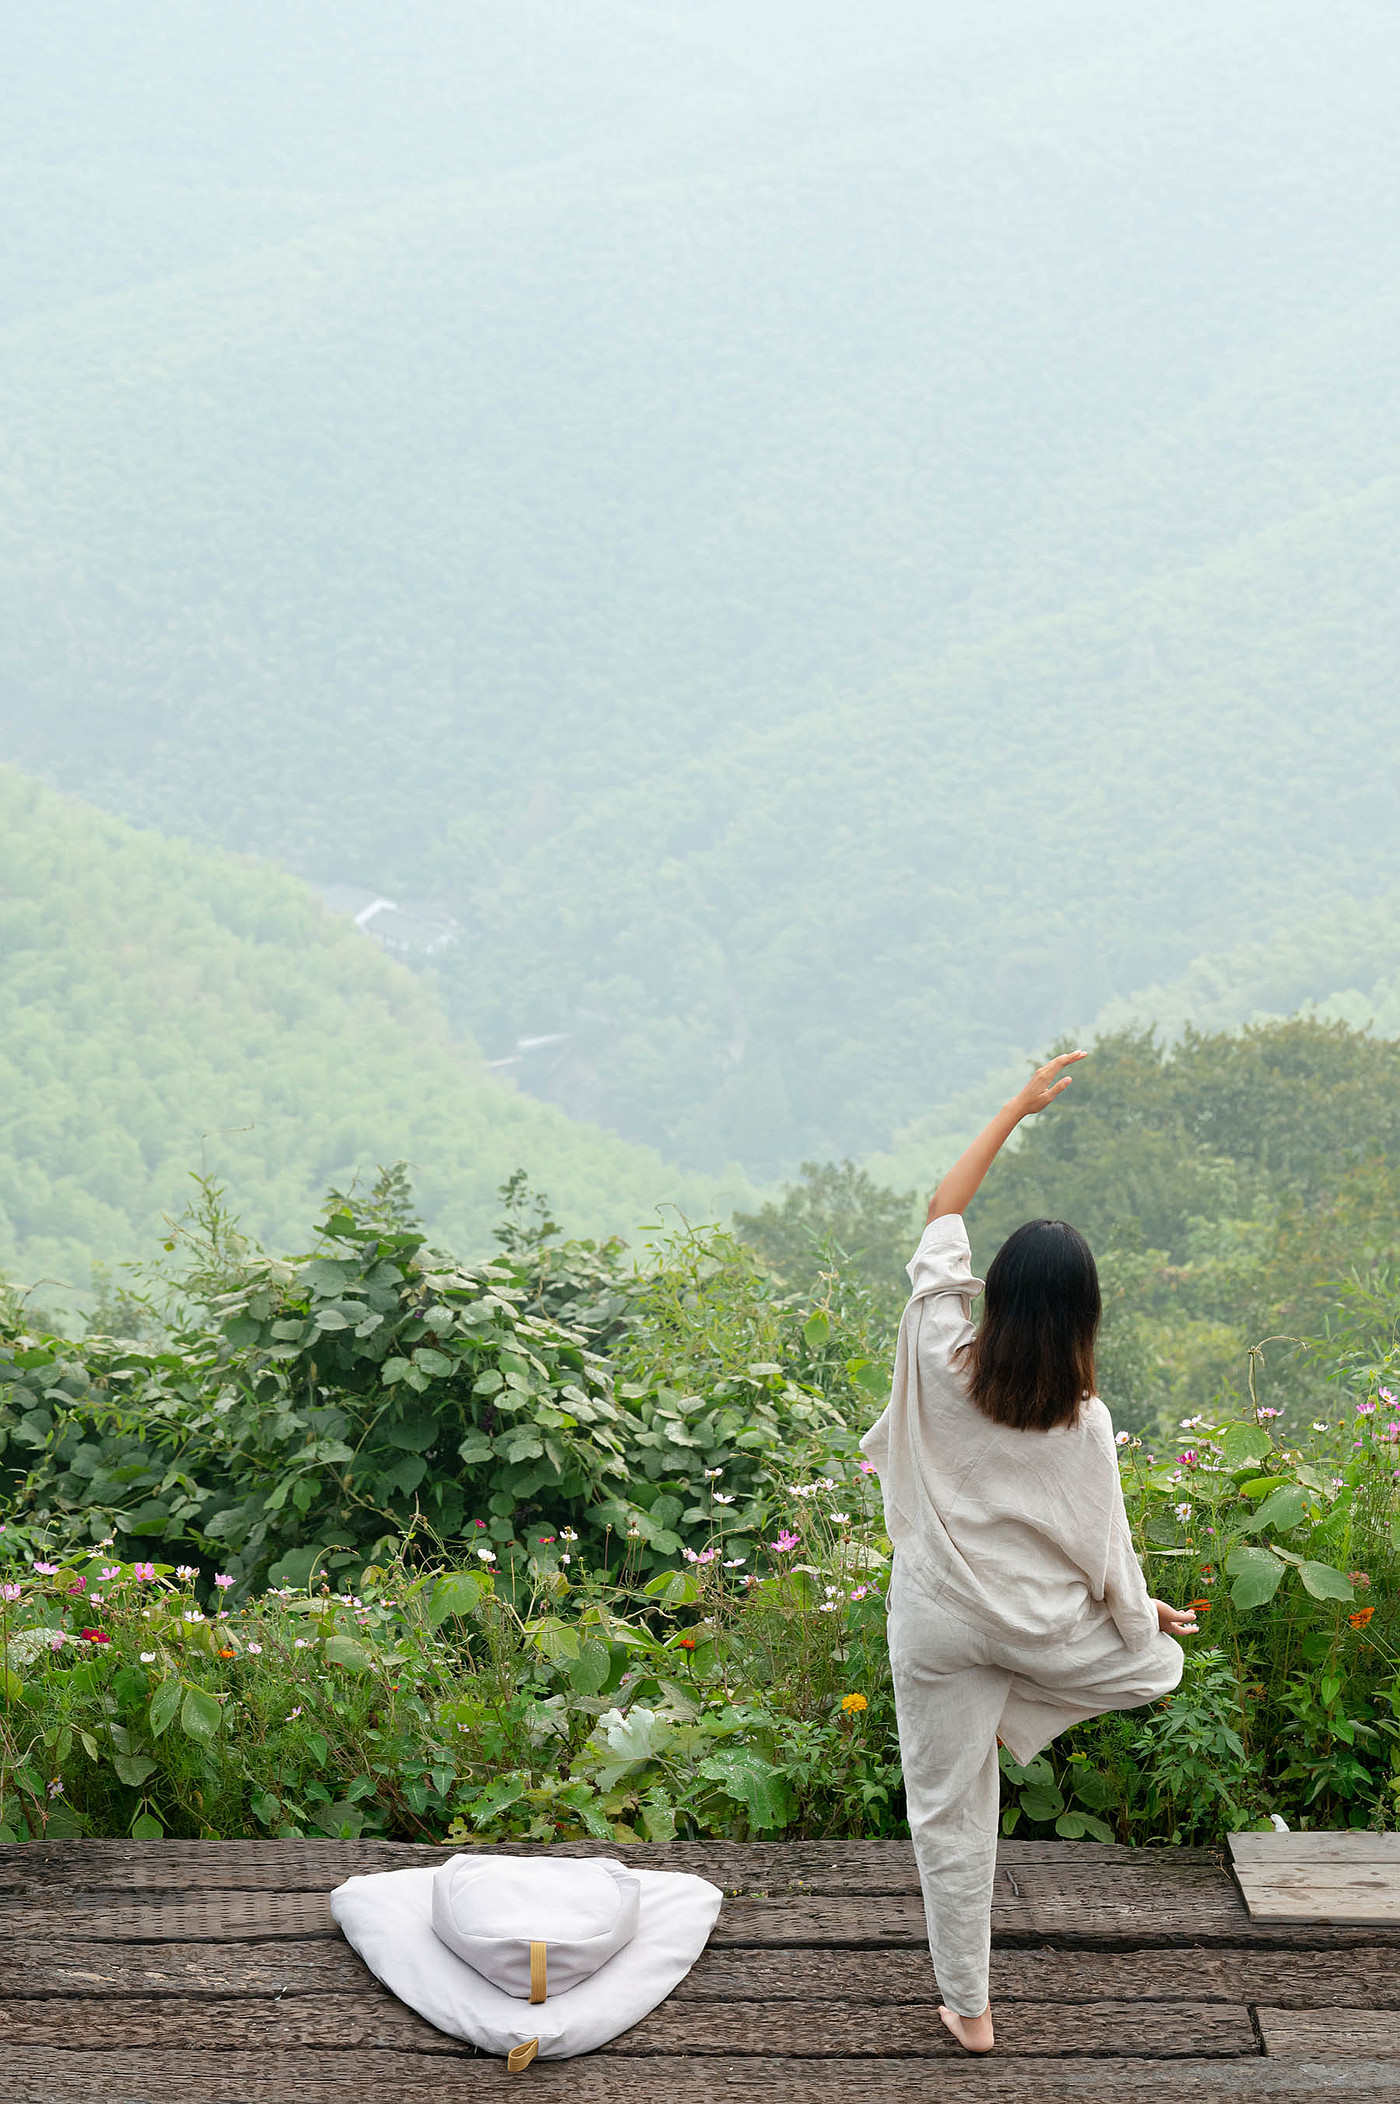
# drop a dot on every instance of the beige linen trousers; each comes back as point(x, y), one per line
point(956, 1690)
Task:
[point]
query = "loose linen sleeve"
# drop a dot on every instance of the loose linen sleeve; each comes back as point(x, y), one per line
point(1124, 1587)
point(942, 1263)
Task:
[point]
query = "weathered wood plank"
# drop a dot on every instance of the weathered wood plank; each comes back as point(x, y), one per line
point(851, 1869)
point(854, 1867)
point(40, 2075)
point(1054, 2031)
point(211, 1917)
point(1358, 1895)
point(1332, 2034)
point(1265, 1851)
point(373, 2020)
point(1362, 1978)
point(194, 1971)
point(370, 2019)
point(1139, 1913)
point(1365, 1978)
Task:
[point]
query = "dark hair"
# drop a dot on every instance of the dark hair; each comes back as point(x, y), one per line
point(1031, 1363)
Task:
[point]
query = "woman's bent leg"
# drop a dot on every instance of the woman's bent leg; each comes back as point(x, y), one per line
point(947, 1702)
point(1054, 1687)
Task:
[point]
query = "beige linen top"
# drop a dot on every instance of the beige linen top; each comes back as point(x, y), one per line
point(1023, 1534)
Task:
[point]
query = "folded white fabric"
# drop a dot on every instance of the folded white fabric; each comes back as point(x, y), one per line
point(526, 1954)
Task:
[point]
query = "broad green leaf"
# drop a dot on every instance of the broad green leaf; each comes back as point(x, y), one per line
point(1011, 1819)
point(753, 1782)
point(1284, 1509)
point(164, 1704)
point(639, 1736)
point(1042, 1802)
point(428, 1360)
point(146, 1827)
point(557, 1640)
point(133, 1768)
point(1073, 1826)
point(1243, 1444)
point(393, 1371)
point(816, 1329)
point(659, 1819)
point(1325, 1583)
point(1395, 1534)
point(674, 1588)
point(455, 1593)
point(199, 1714)
point(344, 1651)
point(1257, 1574)
point(1092, 1787)
point(588, 1675)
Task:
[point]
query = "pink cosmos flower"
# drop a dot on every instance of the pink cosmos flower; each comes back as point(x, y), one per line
point(222, 1580)
point(9, 1592)
point(1366, 1408)
point(110, 1571)
point(143, 1570)
point(786, 1540)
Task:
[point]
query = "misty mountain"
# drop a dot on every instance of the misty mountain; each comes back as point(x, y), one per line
point(836, 543)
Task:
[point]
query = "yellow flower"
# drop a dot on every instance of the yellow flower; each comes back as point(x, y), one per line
point(851, 1704)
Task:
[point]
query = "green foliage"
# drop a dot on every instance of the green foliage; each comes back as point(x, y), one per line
point(312, 1414)
point(637, 1589)
point(837, 1220)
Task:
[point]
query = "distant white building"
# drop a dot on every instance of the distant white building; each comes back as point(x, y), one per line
point(415, 927)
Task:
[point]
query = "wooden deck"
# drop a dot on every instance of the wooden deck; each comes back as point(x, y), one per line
point(212, 1973)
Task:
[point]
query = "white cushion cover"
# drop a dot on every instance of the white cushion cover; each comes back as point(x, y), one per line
point(490, 1909)
point(388, 1918)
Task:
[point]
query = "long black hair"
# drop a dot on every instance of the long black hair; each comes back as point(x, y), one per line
point(1031, 1363)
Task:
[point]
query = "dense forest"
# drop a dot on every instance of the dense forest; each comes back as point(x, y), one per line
point(167, 1009)
point(838, 543)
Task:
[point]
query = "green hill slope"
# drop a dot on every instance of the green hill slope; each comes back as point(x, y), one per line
point(836, 546)
point(159, 1006)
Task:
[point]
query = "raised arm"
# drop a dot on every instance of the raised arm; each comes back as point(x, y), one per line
point(963, 1181)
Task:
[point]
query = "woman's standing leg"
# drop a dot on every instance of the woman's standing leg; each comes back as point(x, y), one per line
point(948, 1698)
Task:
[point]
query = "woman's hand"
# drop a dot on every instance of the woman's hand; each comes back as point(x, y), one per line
point(1175, 1621)
point(1046, 1084)
point(963, 1181)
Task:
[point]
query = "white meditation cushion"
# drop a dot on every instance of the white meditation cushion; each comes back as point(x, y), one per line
point(491, 1909)
point(388, 1919)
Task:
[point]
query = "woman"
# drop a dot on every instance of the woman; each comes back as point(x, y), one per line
point(1017, 1605)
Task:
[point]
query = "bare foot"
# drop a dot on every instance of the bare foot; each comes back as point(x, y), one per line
point(972, 2032)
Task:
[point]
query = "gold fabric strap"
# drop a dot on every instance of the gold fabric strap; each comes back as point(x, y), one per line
point(538, 1989)
point(519, 2057)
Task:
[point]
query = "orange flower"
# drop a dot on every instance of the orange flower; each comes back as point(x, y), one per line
point(686, 1643)
point(1202, 1607)
point(1361, 1617)
point(226, 1654)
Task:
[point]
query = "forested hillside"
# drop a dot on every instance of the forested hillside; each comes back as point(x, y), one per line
point(163, 1009)
point(837, 542)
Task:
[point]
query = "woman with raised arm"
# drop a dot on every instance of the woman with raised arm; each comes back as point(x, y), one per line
point(1017, 1604)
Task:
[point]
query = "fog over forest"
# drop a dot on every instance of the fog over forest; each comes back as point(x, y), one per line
point(815, 548)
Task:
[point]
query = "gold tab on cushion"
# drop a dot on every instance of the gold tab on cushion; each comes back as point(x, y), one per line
point(538, 1989)
point(519, 2057)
